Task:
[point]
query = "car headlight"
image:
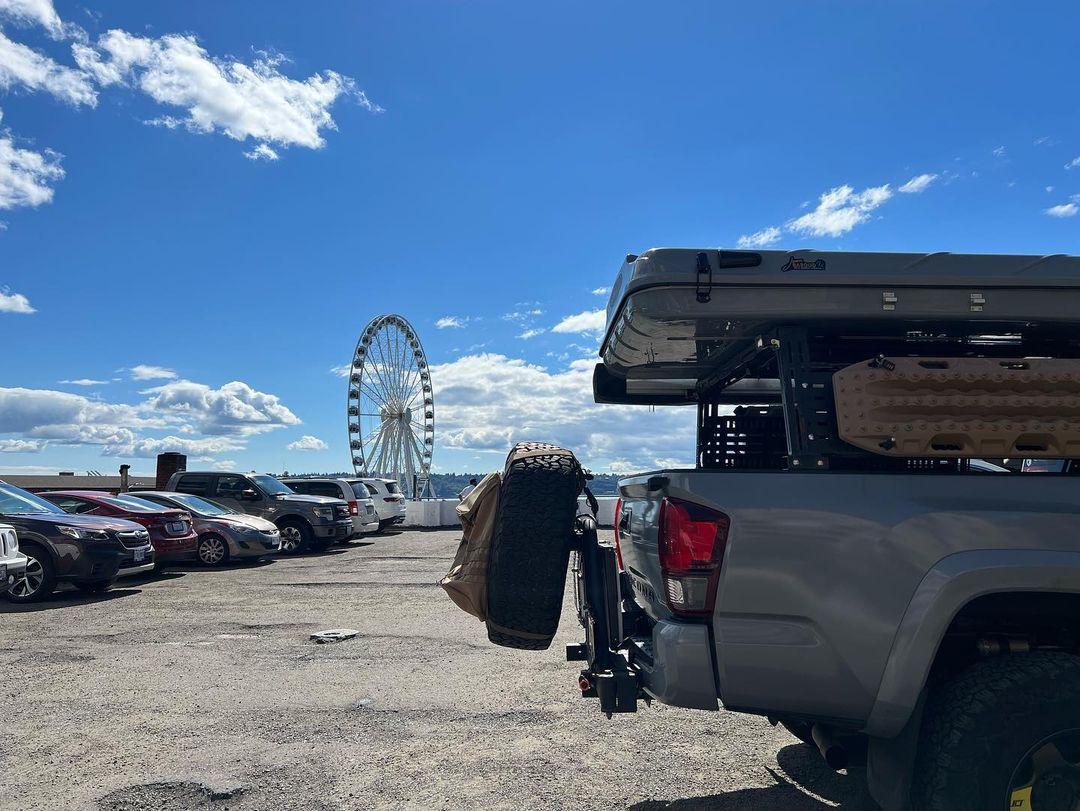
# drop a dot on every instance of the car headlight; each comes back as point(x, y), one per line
point(83, 534)
point(323, 512)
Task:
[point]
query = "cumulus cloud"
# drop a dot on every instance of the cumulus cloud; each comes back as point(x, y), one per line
point(255, 101)
point(69, 418)
point(1074, 163)
point(1063, 210)
point(26, 177)
point(601, 291)
point(759, 239)
point(85, 381)
point(530, 333)
point(38, 12)
point(233, 409)
point(21, 445)
point(14, 302)
point(148, 448)
point(839, 210)
point(918, 184)
point(583, 322)
point(261, 153)
point(21, 66)
point(450, 322)
point(341, 371)
point(146, 372)
point(307, 443)
point(487, 402)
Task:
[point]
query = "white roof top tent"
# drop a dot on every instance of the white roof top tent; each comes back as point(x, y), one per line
point(719, 328)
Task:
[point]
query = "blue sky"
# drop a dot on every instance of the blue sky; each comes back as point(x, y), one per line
point(478, 161)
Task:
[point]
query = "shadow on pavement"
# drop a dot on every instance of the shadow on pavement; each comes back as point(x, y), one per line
point(805, 784)
point(65, 598)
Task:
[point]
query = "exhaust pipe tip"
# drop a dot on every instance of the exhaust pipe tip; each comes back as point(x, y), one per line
point(833, 752)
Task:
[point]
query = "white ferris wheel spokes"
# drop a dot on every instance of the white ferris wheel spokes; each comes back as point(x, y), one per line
point(391, 407)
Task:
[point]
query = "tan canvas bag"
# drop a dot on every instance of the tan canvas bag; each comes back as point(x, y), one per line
point(466, 582)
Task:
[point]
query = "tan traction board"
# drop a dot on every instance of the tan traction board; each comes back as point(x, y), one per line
point(994, 408)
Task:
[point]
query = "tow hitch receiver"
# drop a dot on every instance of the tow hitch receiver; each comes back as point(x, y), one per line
point(608, 675)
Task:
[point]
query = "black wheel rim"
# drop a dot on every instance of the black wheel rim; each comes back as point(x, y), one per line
point(1048, 775)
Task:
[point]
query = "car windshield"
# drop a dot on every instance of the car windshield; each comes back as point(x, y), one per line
point(15, 501)
point(271, 486)
point(202, 506)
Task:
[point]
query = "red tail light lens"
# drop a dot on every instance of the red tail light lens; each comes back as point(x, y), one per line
point(692, 540)
point(353, 508)
point(618, 520)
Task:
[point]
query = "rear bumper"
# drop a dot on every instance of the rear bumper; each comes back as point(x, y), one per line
point(176, 550)
point(363, 524)
point(675, 666)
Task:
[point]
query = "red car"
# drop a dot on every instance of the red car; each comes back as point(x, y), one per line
point(171, 531)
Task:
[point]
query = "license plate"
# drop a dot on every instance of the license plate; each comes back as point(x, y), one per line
point(176, 527)
point(140, 555)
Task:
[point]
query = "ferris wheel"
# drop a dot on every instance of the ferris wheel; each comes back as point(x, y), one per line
point(391, 407)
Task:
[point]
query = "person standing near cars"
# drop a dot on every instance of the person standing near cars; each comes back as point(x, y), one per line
point(467, 489)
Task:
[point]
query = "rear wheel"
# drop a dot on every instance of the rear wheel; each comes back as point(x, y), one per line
point(1003, 734)
point(39, 579)
point(530, 547)
point(295, 537)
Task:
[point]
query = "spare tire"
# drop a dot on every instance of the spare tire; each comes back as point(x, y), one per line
point(531, 544)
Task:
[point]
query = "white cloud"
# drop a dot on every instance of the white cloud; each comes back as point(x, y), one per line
point(21, 445)
point(918, 184)
point(261, 153)
point(1074, 163)
point(85, 381)
point(242, 101)
point(759, 239)
point(14, 303)
point(450, 322)
point(601, 291)
point(488, 402)
point(530, 333)
point(146, 372)
point(225, 464)
point(341, 371)
point(999, 152)
point(1049, 189)
point(148, 448)
point(26, 177)
point(587, 321)
point(235, 408)
point(839, 210)
point(307, 443)
point(21, 66)
point(36, 12)
point(1063, 210)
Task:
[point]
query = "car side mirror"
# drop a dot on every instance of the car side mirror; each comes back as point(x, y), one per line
point(249, 494)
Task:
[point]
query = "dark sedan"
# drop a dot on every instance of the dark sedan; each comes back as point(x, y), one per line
point(171, 530)
point(87, 551)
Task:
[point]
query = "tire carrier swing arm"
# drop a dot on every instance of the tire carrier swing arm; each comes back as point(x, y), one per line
point(608, 675)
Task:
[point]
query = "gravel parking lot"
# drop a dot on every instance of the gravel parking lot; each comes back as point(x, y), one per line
point(201, 689)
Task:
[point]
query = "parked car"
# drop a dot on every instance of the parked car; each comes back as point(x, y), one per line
point(304, 521)
point(356, 495)
point(171, 530)
point(12, 562)
point(389, 500)
point(224, 534)
point(87, 551)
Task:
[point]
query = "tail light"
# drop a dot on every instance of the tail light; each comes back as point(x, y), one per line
point(618, 520)
point(353, 509)
point(692, 540)
point(390, 498)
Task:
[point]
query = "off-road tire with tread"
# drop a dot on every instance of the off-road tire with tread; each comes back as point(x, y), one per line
point(530, 547)
point(978, 726)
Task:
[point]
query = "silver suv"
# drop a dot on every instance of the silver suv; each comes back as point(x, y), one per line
point(304, 521)
point(361, 504)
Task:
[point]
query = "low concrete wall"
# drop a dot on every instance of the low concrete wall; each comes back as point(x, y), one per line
point(440, 512)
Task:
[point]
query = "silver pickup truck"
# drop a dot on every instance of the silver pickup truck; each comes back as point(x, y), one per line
point(837, 560)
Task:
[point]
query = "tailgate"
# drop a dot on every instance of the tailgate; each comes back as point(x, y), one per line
point(637, 522)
